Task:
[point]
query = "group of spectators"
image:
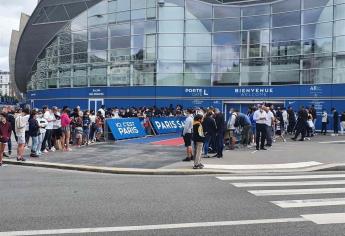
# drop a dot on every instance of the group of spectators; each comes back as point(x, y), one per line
point(48, 129)
point(260, 127)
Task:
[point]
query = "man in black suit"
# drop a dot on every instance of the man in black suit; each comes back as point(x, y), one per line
point(220, 123)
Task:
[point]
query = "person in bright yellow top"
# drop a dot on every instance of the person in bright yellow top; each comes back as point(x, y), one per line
point(198, 137)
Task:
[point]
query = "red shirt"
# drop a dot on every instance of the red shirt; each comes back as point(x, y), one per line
point(5, 132)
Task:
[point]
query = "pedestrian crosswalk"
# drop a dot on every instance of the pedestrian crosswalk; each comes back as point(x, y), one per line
point(298, 192)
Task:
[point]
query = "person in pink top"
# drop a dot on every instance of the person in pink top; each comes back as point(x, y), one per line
point(66, 129)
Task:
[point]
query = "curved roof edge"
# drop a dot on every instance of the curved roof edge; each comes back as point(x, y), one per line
point(35, 38)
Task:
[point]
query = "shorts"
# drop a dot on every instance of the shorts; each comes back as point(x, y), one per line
point(21, 139)
point(187, 138)
point(65, 129)
point(57, 133)
point(278, 132)
point(99, 130)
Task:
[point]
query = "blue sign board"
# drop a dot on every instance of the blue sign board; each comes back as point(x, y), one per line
point(166, 125)
point(126, 128)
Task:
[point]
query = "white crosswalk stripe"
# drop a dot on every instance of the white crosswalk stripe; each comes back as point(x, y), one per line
point(301, 186)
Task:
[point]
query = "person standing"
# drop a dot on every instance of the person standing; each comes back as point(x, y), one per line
point(5, 134)
point(269, 127)
point(34, 132)
point(220, 124)
point(260, 117)
point(198, 136)
point(335, 121)
point(21, 122)
point(313, 112)
point(42, 132)
point(285, 119)
point(66, 129)
point(342, 123)
point(209, 126)
point(292, 120)
point(243, 122)
point(48, 115)
point(324, 123)
point(187, 135)
point(302, 124)
point(231, 127)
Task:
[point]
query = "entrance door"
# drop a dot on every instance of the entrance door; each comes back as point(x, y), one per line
point(32, 104)
point(95, 104)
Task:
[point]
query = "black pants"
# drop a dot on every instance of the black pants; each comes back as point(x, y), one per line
point(47, 139)
point(301, 129)
point(336, 127)
point(324, 128)
point(260, 135)
point(220, 144)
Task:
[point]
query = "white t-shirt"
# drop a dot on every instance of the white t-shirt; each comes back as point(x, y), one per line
point(260, 117)
point(188, 126)
point(270, 116)
point(102, 112)
point(324, 117)
point(50, 118)
point(285, 116)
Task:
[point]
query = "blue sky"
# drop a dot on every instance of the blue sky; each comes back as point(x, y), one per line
point(9, 19)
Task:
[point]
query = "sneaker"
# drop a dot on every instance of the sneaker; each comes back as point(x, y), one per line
point(284, 140)
point(45, 151)
point(53, 149)
point(187, 159)
point(33, 155)
point(39, 153)
point(195, 167)
point(5, 155)
point(201, 165)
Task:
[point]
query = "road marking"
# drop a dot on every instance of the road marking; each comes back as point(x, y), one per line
point(264, 166)
point(296, 191)
point(310, 202)
point(328, 142)
point(274, 184)
point(323, 219)
point(280, 177)
point(151, 227)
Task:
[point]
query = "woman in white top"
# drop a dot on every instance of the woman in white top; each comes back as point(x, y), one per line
point(324, 122)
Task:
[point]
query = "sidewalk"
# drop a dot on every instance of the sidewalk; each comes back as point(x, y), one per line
point(142, 157)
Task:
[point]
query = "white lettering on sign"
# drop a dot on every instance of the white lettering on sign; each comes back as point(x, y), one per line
point(127, 128)
point(171, 124)
point(253, 92)
point(196, 92)
point(96, 92)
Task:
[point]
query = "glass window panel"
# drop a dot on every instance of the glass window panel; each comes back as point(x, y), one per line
point(144, 27)
point(99, 44)
point(98, 56)
point(225, 52)
point(52, 83)
point(97, 20)
point(171, 13)
point(285, 63)
point(285, 77)
point(255, 37)
point(339, 28)
point(254, 65)
point(317, 62)
point(225, 11)
point(198, 40)
point(338, 76)
point(98, 76)
point(317, 3)
point(223, 79)
point(226, 66)
point(254, 78)
point(339, 12)
point(120, 42)
point(226, 38)
point(65, 82)
point(339, 1)
point(317, 46)
point(317, 76)
point(170, 79)
point(123, 17)
point(171, 53)
point(286, 34)
point(171, 40)
point(171, 26)
point(256, 10)
point(340, 61)
point(322, 30)
point(257, 22)
point(198, 53)
point(97, 33)
point(227, 24)
point(138, 4)
point(176, 2)
point(119, 75)
point(318, 15)
point(284, 6)
point(170, 67)
point(150, 53)
point(120, 30)
point(137, 41)
point(286, 48)
point(65, 49)
point(194, 79)
point(255, 50)
point(99, 9)
point(340, 44)
point(56, 13)
point(151, 13)
point(120, 55)
point(79, 36)
point(112, 6)
point(285, 19)
point(123, 5)
point(198, 10)
point(138, 14)
point(198, 26)
point(80, 58)
point(67, 59)
point(80, 22)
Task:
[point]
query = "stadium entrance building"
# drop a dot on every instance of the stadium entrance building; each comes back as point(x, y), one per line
point(191, 52)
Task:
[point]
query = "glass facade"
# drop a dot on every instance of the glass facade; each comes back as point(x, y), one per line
point(195, 43)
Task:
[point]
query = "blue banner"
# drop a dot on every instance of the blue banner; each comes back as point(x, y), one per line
point(166, 125)
point(126, 128)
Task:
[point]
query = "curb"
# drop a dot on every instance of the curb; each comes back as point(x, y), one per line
point(132, 171)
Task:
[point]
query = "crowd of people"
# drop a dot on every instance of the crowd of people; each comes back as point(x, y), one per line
point(207, 131)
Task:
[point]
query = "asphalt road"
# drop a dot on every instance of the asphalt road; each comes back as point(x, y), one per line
point(63, 202)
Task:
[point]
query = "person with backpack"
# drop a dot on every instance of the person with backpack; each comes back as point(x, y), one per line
point(34, 132)
point(5, 134)
point(21, 122)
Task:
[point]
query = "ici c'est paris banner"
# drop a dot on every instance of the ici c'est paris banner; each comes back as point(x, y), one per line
point(166, 125)
point(126, 128)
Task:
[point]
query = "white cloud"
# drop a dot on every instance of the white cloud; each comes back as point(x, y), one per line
point(10, 11)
